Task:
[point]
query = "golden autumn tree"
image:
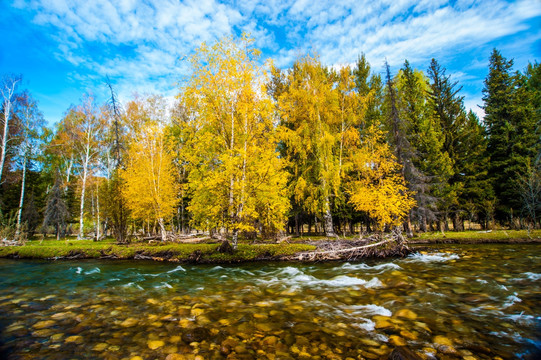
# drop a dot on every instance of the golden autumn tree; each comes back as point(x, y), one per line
point(313, 134)
point(376, 185)
point(235, 178)
point(150, 188)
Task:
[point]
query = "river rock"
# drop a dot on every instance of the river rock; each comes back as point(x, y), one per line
point(383, 324)
point(423, 326)
point(397, 340)
point(42, 333)
point(77, 339)
point(227, 345)
point(442, 340)
point(100, 347)
point(57, 337)
point(410, 335)
point(129, 322)
point(403, 353)
point(63, 315)
point(175, 357)
point(197, 334)
point(406, 313)
point(154, 344)
point(44, 324)
point(370, 342)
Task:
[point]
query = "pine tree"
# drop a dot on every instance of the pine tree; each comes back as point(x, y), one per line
point(512, 124)
point(399, 139)
point(425, 139)
point(370, 88)
point(471, 165)
point(448, 111)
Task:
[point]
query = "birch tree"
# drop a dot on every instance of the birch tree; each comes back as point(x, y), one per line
point(236, 179)
point(31, 124)
point(8, 89)
point(150, 189)
point(312, 133)
point(83, 126)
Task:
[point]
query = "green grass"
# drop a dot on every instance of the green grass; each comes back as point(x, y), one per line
point(88, 249)
point(474, 236)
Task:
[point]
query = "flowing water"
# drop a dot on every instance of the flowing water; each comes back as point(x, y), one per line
point(449, 302)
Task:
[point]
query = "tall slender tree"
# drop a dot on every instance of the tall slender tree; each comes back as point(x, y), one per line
point(84, 127)
point(8, 89)
point(448, 108)
point(31, 125)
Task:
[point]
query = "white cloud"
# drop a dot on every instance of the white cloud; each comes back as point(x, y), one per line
point(94, 35)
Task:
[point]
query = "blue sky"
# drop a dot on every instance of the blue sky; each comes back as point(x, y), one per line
point(64, 48)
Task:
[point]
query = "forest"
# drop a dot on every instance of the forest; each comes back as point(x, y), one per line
point(249, 150)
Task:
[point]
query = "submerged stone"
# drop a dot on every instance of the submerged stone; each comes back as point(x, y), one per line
point(397, 340)
point(197, 334)
point(44, 324)
point(100, 347)
point(442, 340)
point(403, 353)
point(406, 313)
point(129, 322)
point(154, 344)
point(74, 339)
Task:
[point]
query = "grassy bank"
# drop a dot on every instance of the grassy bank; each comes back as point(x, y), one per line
point(200, 253)
point(208, 253)
point(477, 237)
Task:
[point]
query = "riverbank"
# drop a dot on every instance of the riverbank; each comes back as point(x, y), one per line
point(307, 249)
point(172, 252)
point(478, 237)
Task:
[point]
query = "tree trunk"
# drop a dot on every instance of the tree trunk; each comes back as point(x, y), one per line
point(21, 200)
point(97, 212)
point(235, 238)
point(162, 229)
point(82, 209)
point(327, 218)
point(10, 89)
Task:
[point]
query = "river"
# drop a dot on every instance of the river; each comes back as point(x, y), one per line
point(451, 302)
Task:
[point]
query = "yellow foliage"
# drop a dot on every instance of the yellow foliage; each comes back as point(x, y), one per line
point(378, 188)
point(150, 190)
point(235, 178)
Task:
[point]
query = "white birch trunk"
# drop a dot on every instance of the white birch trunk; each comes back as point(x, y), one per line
point(82, 209)
point(21, 201)
point(98, 212)
point(7, 94)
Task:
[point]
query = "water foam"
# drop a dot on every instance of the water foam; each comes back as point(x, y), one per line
point(372, 309)
point(511, 300)
point(374, 283)
point(92, 271)
point(132, 284)
point(295, 277)
point(436, 257)
point(367, 325)
point(363, 266)
point(163, 285)
point(178, 268)
point(532, 276)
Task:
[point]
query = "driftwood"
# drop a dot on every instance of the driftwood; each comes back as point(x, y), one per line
point(6, 242)
point(392, 245)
